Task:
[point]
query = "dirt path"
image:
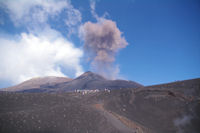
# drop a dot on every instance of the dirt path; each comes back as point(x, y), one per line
point(117, 121)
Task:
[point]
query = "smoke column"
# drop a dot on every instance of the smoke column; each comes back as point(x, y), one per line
point(102, 40)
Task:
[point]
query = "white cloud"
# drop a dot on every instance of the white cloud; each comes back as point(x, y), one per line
point(42, 51)
point(31, 55)
point(94, 14)
point(73, 20)
point(33, 13)
point(26, 11)
point(74, 17)
point(93, 6)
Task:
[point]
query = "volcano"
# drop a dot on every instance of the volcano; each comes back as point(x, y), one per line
point(86, 81)
point(53, 105)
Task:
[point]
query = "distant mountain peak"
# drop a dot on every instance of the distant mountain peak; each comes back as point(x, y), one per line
point(90, 74)
point(88, 80)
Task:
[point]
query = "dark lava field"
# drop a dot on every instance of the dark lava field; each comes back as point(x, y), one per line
point(166, 108)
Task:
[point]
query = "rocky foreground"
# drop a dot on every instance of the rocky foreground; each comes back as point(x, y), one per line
point(166, 108)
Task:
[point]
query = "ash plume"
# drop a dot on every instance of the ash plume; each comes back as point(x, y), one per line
point(102, 40)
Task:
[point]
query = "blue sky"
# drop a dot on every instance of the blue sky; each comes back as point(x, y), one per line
point(163, 39)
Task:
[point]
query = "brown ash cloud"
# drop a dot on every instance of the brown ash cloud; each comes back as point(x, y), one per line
point(102, 40)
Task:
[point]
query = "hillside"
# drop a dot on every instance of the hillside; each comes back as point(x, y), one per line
point(87, 81)
point(165, 108)
point(39, 82)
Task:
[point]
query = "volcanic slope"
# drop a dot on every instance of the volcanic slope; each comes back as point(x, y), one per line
point(37, 83)
point(87, 81)
point(90, 81)
point(165, 108)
